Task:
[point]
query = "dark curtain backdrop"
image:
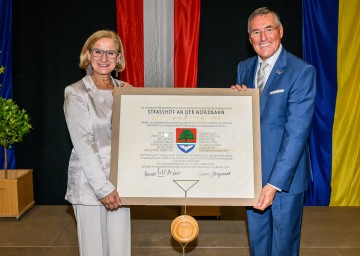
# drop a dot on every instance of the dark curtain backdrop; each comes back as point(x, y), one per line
point(47, 40)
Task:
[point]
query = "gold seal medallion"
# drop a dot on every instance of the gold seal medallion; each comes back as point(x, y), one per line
point(184, 229)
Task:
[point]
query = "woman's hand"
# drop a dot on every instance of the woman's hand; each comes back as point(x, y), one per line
point(112, 201)
point(125, 84)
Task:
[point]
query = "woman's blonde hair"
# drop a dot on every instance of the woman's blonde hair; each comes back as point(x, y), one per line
point(84, 61)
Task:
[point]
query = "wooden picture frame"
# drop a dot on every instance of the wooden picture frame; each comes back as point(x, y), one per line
point(178, 146)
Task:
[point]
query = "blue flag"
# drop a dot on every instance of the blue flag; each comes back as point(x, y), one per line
point(6, 67)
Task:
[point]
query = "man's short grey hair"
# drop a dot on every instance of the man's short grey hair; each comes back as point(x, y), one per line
point(263, 11)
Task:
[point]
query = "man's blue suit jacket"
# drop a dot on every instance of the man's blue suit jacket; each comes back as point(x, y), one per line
point(286, 111)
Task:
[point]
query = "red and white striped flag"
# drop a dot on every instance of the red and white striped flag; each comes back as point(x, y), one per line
point(160, 40)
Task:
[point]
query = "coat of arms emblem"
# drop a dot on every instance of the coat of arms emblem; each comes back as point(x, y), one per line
point(186, 139)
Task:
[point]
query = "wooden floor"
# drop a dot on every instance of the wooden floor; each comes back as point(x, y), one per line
point(51, 231)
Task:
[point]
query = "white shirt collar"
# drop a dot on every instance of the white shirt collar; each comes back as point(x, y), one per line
point(271, 61)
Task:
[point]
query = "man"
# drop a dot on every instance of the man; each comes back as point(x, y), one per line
point(288, 86)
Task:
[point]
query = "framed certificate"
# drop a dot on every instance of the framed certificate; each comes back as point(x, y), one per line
point(175, 146)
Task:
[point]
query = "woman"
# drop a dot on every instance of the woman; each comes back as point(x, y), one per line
point(103, 225)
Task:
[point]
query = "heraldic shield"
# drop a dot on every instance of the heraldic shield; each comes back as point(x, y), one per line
point(186, 139)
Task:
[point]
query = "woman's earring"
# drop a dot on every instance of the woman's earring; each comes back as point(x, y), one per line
point(117, 69)
point(89, 70)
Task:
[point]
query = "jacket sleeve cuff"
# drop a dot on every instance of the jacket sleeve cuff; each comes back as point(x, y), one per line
point(104, 190)
point(278, 189)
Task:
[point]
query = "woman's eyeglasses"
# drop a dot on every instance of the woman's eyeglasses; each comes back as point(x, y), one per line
point(98, 53)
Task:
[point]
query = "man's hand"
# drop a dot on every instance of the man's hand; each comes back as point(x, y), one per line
point(239, 87)
point(111, 201)
point(266, 198)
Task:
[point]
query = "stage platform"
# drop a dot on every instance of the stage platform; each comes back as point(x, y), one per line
point(51, 231)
